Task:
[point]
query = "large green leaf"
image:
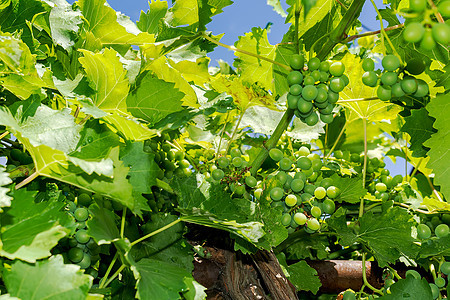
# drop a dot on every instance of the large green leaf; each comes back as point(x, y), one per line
point(129, 127)
point(64, 24)
point(303, 277)
point(153, 99)
point(102, 227)
point(15, 54)
point(439, 141)
point(49, 279)
point(419, 126)
point(149, 21)
point(351, 189)
point(108, 78)
point(409, 288)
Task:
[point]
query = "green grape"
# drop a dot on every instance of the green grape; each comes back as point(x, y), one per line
point(384, 196)
point(390, 62)
point(294, 77)
point(439, 282)
point(309, 80)
point(389, 78)
point(321, 105)
point(179, 155)
point(316, 164)
point(368, 64)
point(313, 224)
point(276, 193)
point(297, 185)
point(413, 273)
point(327, 119)
point(322, 96)
point(397, 179)
point(316, 75)
point(223, 162)
point(324, 66)
point(312, 119)
point(326, 182)
point(306, 197)
point(292, 101)
point(285, 164)
point(428, 42)
point(282, 177)
point(235, 152)
point(295, 89)
point(370, 78)
point(92, 245)
point(300, 175)
point(313, 64)
point(445, 268)
point(313, 176)
point(332, 192)
point(286, 219)
point(239, 189)
point(422, 89)
point(217, 174)
point(304, 163)
point(434, 290)
point(82, 236)
point(309, 189)
point(300, 218)
point(258, 193)
point(324, 76)
point(328, 206)
point(297, 62)
point(276, 154)
point(75, 254)
point(309, 92)
point(332, 97)
point(417, 5)
point(384, 93)
point(250, 181)
point(304, 107)
point(409, 85)
point(397, 90)
point(81, 214)
point(337, 69)
point(441, 231)
point(441, 33)
point(381, 187)
point(316, 212)
point(85, 261)
point(338, 154)
point(237, 162)
point(444, 8)
point(346, 79)
point(349, 295)
point(415, 65)
point(327, 110)
point(303, 151)
point(423, 232)
point(337, 84)
point(290, 200)
point(320, 192)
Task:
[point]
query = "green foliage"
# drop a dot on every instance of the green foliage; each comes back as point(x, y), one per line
point(304, 277)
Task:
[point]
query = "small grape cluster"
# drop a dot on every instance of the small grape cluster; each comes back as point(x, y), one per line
point(233, 170)
point(81, 249)
point(440, 227)
point(395, 82)
point(439, 281)
point(298, 190)
point(314, 90)
point(423, 29)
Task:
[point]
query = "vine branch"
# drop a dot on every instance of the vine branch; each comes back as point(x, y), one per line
point(369, 33)
point(437, 14)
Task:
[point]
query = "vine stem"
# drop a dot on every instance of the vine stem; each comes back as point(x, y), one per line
point(337, 141)
point(436, 12)
point(113, 261)
point(114, 275)
point(415, 169)
point(77, 111)
point(4, 134)
point(122, 224)
point(155, 232)
point(296, 23)
point(394, 272)
point(366, 283)
point(418, 210)
point(358, 99)
point(222, 133)
point(27, 180)
point(369, 33)
point(434, 190)
point(361, 206)
point(232, 48)
point(383, 33)
point(235, 131)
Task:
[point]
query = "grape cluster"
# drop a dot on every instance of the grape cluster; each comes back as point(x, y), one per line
point(233, 170)
point(303, 191)
point(17, 157)
point(439, 225)
point(315, 90)
point(423, 29)
point(439, 281)
point(81, 249)
point(394, 82)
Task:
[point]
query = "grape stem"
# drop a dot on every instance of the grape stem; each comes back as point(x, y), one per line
point(369, 33)
point(235, 131)
point(434, 190)
point(436, 12)
point(156, 232)
point(4, 134)
point(122, 224)
point(415, 169)
point(232, 48)
point(342, 4)
point(222, 133)
point(113, 261)
point(298, 9)
point(361, 207)
point(344, 251)
point(114, 275)
point(394, 272)
point(77, 111)
point(337, 140)
point(357, 100)
point(383, 33)
point(366, 283)
point(27, 180)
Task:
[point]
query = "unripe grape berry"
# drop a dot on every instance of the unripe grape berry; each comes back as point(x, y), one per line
point(328, 206)
point(300, 218)
point(397, 91)
point(223, 162)
point(441, 230)
point(309, 80)
point(390, 62)
point(295, 89)
point(312, 119)
point(324, 66)
point(370, 78)
point(235, 152)
point(389, 78)
point(320, 192)
point(250, 181)
point(297, 62)
point(286, 219)
point(416, 65)
point(423, 231)
point(285, 164)
point(326, 118)
point(276, 154)
point(290, 200)
point(303, 151)
point(445, 268)
point(82, 236)
point(444, 8)
point(304, 107)
point(439, 282)
point(368, 64)
point(297, 185)
point(237, 162)
point(276, 193)
point(337, 68)
point(441, 33)
point(434, 290)
point(409, 85)
point(381, 187)
point(349, 295)
point(313, 64)
point(428, 42)
point(217, 174)
point(316, 212)
point(422, 89)
point(294, 77)
point(309, 92)
point(384, 93)
point(337, 84)
point(332, 192)
point(313, 224)
point(418, 5)
point(292, 101)
point(76, 254)
point(304, 163)
point(81, 214)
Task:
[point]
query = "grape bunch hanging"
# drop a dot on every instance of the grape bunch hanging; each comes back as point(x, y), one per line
point(314, 92)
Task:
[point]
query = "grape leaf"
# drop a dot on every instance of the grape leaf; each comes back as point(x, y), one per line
point(315, 14)
point(102, 227)
point(277, 7)
point(15, 54)
point(304, 133)
point(351, 188)
point(254, 69)
point(195, 291)
point(261, 119)
point(409, 288)
point(49, 279)
point(107, 77)
point(64, 24)
point(283, 54)
point(149, 21)
point(5, 200)
point(303, 277)
point(439, 141)
point(308, 246)
point(419, 126)
point(153, 99)
point(338, 222)
point(130, 128)
point(159, 279)
point(435, 247)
